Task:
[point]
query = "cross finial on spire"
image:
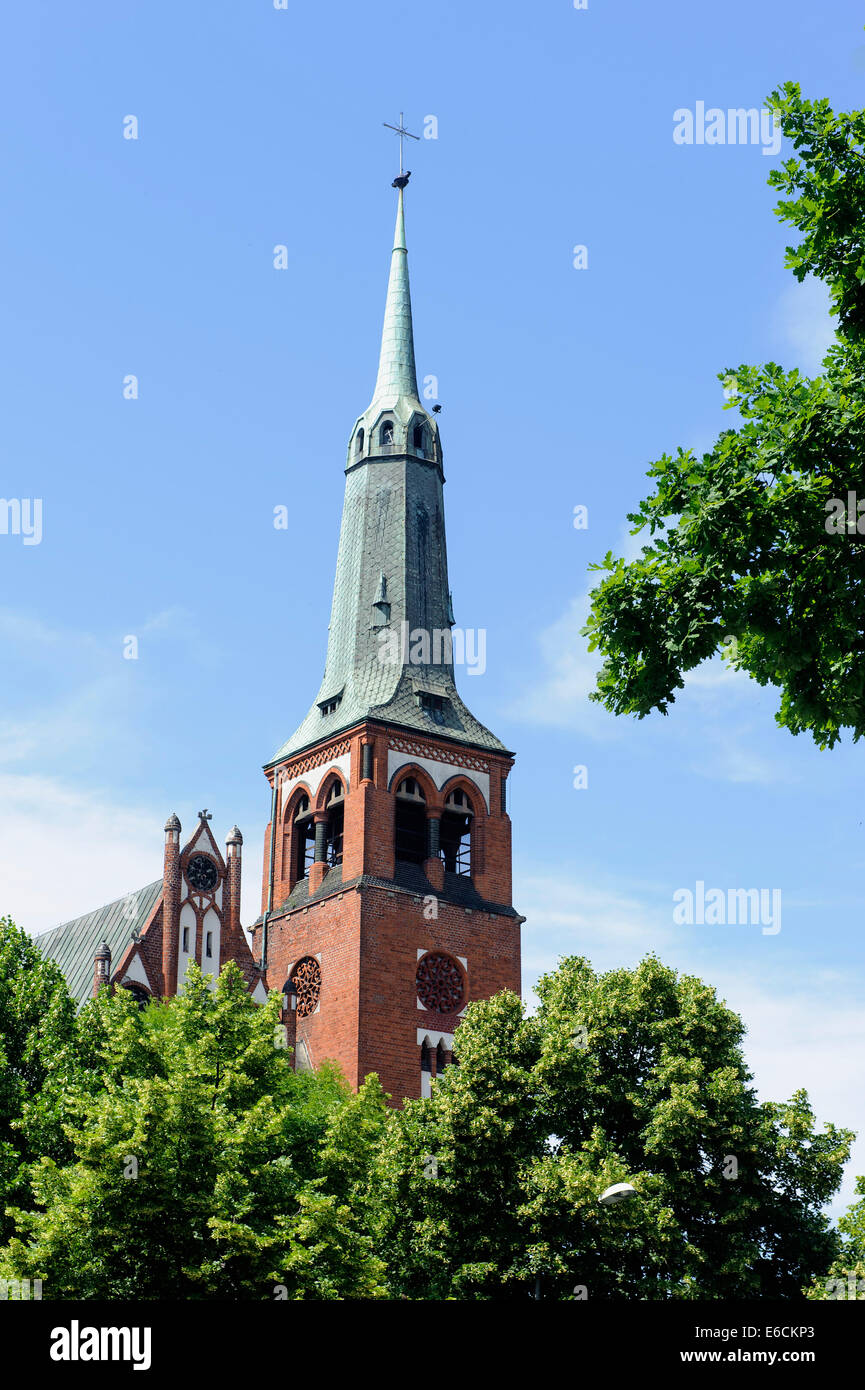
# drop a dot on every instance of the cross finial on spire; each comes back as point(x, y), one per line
point(402, 133)
point(205, 815)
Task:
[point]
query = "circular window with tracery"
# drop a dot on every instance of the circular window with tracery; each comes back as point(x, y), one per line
point(306, 976)
point(439, 983)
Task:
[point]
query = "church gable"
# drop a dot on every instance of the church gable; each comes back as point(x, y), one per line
point(145, 941)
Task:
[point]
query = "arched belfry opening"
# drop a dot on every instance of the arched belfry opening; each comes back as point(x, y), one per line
point(335, 806)
point(304, 838)
point(456, 833)
point(410, 832)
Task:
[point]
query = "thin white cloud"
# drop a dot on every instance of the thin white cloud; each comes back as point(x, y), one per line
point(64, 851)
point(569, 916)
point(558, 694)
point(69, 847)
point(734, 759)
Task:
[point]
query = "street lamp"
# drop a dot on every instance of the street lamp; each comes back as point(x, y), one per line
point(619, 1192)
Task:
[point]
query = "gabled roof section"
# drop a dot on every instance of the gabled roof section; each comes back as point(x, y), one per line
point(74, 944)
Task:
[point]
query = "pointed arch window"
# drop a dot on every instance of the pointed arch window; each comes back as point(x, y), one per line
point(335, 823)
point(358, 443)
point(425, 1070)
point(419, 440)
point(304, 838)
point(410, 822)
point(456, 833)
point(385, 434)
point(441, 1058)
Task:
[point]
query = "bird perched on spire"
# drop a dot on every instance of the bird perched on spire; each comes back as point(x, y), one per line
point(401, 179)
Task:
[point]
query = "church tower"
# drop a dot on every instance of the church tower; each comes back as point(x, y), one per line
point(386, 905)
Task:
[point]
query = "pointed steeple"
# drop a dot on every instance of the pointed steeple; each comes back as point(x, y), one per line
point(396, 367)
point(391, 571)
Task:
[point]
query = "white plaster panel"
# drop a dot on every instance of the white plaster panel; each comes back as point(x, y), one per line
point(439, 772)
point(187, 919)
point(204, 841)
point(434, 1039)
point(135, 972)
point(210, 964)
point(316, 775)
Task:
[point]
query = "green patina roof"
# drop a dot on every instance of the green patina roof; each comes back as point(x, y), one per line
point(74, 944)
point(392, 562)
point(396, 368)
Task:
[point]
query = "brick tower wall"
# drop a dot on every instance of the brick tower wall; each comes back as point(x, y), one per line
point(363, 924)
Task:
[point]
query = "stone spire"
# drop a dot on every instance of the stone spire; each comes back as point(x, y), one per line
point(391, 573)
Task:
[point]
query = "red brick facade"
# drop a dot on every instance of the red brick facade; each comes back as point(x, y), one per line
point(368, 920)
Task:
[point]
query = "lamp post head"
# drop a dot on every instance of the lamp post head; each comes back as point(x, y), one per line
point(619, 1192)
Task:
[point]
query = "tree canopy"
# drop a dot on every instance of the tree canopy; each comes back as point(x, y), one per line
point(199, 1160)
point(846, 1276)
point(490, 1188)
point(755, 548)
point(37, 1038)
point(172, 1152)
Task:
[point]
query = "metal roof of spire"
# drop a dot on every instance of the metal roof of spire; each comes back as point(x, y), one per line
point(391, 569)
point(397, 375)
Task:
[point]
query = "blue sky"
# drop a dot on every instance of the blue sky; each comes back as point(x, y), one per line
point(154, 257)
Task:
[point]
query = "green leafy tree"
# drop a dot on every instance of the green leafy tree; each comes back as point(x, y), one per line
point(754, 549)
point(828, 181)
point(37, 1042)
point(846, 1277)
point(490, 1188)
point(332, 1251)
point(195, 1161)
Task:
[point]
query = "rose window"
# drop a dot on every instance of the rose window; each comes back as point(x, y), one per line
point(306, 977)
point(439, 983)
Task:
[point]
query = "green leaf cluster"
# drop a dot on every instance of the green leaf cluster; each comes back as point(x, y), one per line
point(490, 1188)
point(738, 558)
